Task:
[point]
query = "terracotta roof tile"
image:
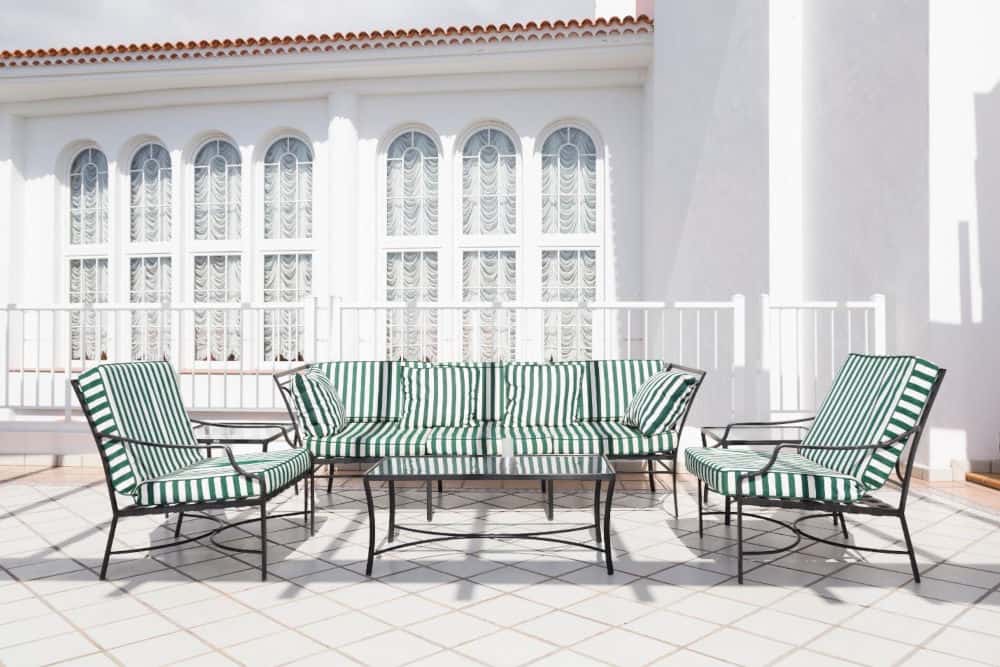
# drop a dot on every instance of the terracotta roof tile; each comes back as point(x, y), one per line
point(324, 43)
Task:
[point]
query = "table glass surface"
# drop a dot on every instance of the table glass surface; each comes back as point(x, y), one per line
point(519, 467)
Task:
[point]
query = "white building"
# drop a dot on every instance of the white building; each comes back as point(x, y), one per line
point(817, 152)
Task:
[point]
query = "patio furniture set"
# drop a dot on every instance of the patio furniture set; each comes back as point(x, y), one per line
point(546, 422)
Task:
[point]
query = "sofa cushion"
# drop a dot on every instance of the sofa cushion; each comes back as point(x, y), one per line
point(873, 399)
point(317, 402)
point(214, 479)
point(368, 440)
point(542, 394)
point(369, 390)
point(482, 438)
point(491, 392)
point(609, 438)
point(527, 439)
point(607, 386)
point(660, 402)
point(792, 476)
point(438, 395)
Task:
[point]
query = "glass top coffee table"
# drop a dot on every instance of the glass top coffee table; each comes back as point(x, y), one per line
point(547, 468)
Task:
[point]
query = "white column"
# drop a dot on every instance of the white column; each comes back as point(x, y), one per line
point(342, 142)
point(11, 205)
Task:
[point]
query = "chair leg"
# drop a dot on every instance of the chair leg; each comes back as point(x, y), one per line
point(305, 501)
point(649, 471)
point(107, 549)
point(739, 541)
point(701, 525)
point(430, 510)
point(843, 525)
point(729, 520)
point(177, 528)
point(312, 502)
point(329, 480)
point(909, 548)
point(263, 541)
point(673, 482)
point(440, 486)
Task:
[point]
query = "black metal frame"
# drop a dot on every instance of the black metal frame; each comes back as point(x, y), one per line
point(603, 540)
point(308, 513)
point(868, 505)
point(656, 464)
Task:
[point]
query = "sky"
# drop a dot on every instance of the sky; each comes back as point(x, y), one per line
point(47, 23)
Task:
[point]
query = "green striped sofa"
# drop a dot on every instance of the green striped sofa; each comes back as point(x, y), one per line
point(876, 406)
point(372, 396)
point(151, 456)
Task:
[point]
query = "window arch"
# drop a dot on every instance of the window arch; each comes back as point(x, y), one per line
point(150, 194)
point(569, 182)
point(412, 185)
point(217, 187)
point(489, 183)
point(88, 198)
point(288, 166)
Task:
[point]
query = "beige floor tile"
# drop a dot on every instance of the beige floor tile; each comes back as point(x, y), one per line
point(863, 648)
point(621, 647)
point(740, 647)
point(390, 649)
point(170, 649)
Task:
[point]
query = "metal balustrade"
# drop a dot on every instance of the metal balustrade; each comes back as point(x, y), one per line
point(226, 352)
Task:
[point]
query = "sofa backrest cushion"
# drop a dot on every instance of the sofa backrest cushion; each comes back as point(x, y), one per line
point(660, 402)
point(369, 390)
point(607, 386)
point(542, 394)
point(142, 401)
point(318, 403)
point(873, 399)
point(439, 395)
point(491, 396)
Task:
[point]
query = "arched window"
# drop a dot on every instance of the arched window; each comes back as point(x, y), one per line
point(150, 201)
point(217, 209)
point(569, 182)
point(88, 198)
point(489, 183)
point(288, 190)
point(412, 185)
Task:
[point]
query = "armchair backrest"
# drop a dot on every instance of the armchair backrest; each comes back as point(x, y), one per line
point(139, 400)
point(873, 399)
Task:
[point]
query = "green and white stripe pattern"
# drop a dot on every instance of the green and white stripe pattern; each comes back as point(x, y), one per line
point(463, 467)
point(368, 440)
point(318, 404)
point(439, 395)
point(215, 480)
point(607, 386)
point(542, 394)
point(660, 402)
point(141, 401)
point(793, 476)
point(369, 390)
point(490, 382)
point(608, 438)
point(465, 440)
point(872, 400)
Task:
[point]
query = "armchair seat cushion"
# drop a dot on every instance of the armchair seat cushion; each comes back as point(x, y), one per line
point(369, 440)
point(793, 476)
point(215, 480)
point(465, 440)
point(609, 438)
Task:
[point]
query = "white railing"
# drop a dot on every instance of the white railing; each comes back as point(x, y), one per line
point(805, 342)
point(226, 353)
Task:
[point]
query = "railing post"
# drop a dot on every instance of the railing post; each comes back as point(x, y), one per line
point(6, 353)
point(739, 330)
point(336, 328)
point(878, 300)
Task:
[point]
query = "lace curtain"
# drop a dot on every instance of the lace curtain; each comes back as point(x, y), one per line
point(569, 276)
point(287, 279)
point(149, 282)
point(217, 333)
point(412, 186)
point(569, 183)
point(88, 283)
point(88, 198)
point(150, 193)
point(489, 183)
point(288, 190)
point(217, 212)
point(489, 276)
point(411, 277)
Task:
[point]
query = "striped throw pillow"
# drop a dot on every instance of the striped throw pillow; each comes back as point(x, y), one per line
point(440, 395)
point(318, 403)
point(659, 402)
point(542, 394)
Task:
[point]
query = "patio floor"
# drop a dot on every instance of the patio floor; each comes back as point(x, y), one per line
point(673, 599)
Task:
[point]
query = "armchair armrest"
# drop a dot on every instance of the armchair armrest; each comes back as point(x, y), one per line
point(284, 428)
point(710, 432)
point(111, 437)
